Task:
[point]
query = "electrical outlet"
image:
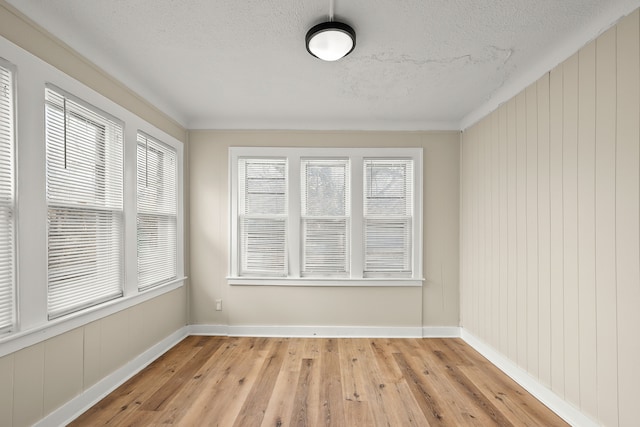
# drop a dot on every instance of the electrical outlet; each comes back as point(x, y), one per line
point(218, 305)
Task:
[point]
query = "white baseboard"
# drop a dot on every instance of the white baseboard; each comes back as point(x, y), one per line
point(309, 331)
point(441, 332)
point(564, 409)
point(328, 331)
point(79, 404)
point(325, 331)
point(212, 330)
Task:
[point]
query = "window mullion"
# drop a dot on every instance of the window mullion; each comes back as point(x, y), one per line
point(417, 218)
point(234, 230)
point(293, 223)
point(357, 238)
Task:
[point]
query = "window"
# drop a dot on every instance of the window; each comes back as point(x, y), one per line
point(388, 208)
point(325, 216)
point(7, 198)
point(262, 207)
point(84, 161)
point(157, 209)
point(319, 216)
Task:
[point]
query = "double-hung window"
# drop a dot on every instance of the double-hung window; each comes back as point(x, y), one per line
point(84, 177)
point(7, 198)
point(262, 217)
point(388, 217)
point(157, 209)
point(326, 216)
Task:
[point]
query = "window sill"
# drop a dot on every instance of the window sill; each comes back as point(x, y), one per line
point(331, 282)
point(14, 341)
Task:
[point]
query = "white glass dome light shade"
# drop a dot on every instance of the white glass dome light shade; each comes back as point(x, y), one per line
point(330, 41)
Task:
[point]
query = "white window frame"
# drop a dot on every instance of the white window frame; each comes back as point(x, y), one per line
point(170, 272)
point(345, 218)
point(10, 204)
point(114, 177)
point(388, 220)
point(248, 266)
point(356, 157)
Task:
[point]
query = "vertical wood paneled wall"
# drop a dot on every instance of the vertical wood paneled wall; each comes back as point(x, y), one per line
point(550, 226)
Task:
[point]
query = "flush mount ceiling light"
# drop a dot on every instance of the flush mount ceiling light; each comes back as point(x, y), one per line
point(331, 40)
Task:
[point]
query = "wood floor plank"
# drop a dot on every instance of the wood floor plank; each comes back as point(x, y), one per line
point(372, 383)
point(474, 395)
point(423, 392)
point(457, 408)
point(233, 396)
point(447, 363)
point(158, 400)
point(495, 383)
point(506, 394)
point(311, 348)
point(224, 387)
point(331, 398)
point(509, 400)
point(276, 382)
point(446, 346)
point(350, 367)
point(255, 403)
point(391, 399)
point(356, 399)
point(280, 405)
point(383, 351)
point(302, 412)
point(192, 400)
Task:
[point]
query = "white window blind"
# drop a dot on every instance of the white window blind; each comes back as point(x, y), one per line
point(388, 208)
point(325, 206)
point(7, 199)
point(84, 160)
point(262, 208)
point(157, 208)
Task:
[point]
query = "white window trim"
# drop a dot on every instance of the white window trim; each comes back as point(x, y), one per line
point(57, 203)
point(32, 324)
point(356, 155)
point(14, 202)
point(12, 342)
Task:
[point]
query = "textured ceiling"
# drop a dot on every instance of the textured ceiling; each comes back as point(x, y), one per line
point(418, 64)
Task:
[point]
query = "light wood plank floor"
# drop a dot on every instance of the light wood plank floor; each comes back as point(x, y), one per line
point(225, 381)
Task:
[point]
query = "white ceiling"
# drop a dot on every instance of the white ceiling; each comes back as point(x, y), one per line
point(242, 64)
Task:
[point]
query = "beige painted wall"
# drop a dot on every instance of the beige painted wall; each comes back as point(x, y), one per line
point(434, 304)
point(550, 249)
point(38, 379)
